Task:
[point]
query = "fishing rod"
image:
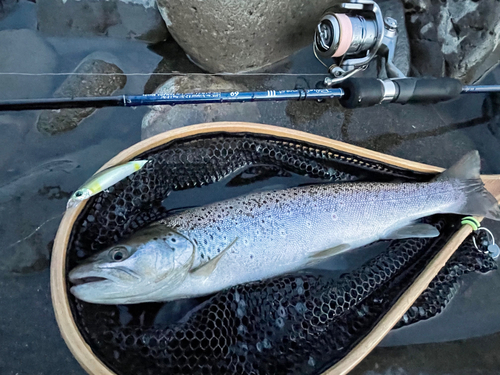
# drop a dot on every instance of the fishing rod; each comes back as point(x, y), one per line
point(351, 34)
point(172, 99)
point(352, 93)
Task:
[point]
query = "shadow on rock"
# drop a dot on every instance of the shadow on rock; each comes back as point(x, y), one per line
point(385, 142)
point(174, 60)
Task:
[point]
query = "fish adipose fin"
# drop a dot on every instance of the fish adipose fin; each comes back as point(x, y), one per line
point(479, 201)
point(207, 268)
point(417, 230)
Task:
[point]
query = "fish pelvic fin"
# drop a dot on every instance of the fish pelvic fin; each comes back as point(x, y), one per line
point(206, 269)
point(417, 230)
point(479, 201)
point(323, 254)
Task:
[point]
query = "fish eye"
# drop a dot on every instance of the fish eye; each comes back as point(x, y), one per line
point(79, 193)
point(118, 253)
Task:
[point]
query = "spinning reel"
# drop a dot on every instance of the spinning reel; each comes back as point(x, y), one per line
point(352, 35)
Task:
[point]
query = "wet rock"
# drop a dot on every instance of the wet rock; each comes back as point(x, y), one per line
point(453, 38)
point(86, 84)
point(19, 46)
point(223, 36)
point(17, 15)
point(163, 118)
point(30, 256)
point(135, 19)
point(7, 6)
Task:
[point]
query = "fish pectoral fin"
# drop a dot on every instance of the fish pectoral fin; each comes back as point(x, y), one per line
point(329, 252)
point(207, 268)
point(418, 230)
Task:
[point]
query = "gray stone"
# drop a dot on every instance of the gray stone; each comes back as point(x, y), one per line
point(121, 19)
point(162, 118)
point(18, 47)
point(81, 85)
point(234, 36)
point(453, 38)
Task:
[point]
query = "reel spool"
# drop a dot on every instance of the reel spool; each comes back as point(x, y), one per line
point(353, 34)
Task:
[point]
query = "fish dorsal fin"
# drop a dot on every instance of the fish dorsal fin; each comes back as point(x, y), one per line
point(206, 269)
point(466, 168)
point(418, 230)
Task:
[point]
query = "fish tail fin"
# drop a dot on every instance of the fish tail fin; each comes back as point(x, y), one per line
point(479, 201)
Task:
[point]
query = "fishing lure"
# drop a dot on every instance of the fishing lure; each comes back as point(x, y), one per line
point(103, 180)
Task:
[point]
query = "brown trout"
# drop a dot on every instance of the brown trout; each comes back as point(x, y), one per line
point(261, 235)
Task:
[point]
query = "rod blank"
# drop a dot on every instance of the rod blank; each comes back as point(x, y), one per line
point(170, 99)
point(480, 89)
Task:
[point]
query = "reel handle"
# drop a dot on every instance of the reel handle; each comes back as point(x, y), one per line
point(366, 92)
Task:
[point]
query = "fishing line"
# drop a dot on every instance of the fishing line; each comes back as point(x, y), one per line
point(163, 74)
point(36, 230)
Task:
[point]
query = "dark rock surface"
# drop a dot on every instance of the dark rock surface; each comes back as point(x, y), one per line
point(6, 6)
point(462, 357)
point(115, 18)
point(108, 78)
point(453, 38)
point(18, 47)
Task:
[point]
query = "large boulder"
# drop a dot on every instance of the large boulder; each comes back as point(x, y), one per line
point(162, 118)
point(97, 77)
point(453, 38)
point(234, 36)
point(18, 47)
point(134, 19)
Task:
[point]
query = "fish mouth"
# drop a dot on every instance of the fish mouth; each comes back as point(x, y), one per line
point(80, 276)
point(87, 280)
